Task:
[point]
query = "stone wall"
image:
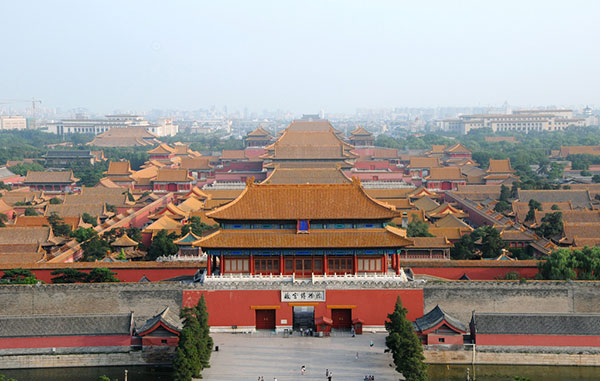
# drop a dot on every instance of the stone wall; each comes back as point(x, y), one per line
point(461, 298)
point(80, 360)
point(487, 358)
point(144, 299)
point(457, 298)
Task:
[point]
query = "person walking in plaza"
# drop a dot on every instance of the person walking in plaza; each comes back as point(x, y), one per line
point(302, 370)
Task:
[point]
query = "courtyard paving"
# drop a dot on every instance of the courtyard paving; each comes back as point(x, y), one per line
point(248, 356)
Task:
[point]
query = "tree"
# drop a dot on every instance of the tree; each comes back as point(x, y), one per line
point(30, 211)
point(505, 193)
point(162, 245)
point(554, 207)
point(89, 219)
point(205, 344)
point(196, 226)
point(186, 358)
point(104, 378)
point(95, 248)
point(55, 201)
point(101, 275)
point(533, 206)
point(69, 276)
point(559, 266)
point(23, 168)
point(501, 206)
point(3, 219)
point(551, 225)
point(5, 186)
point(405, 346)
point(195, 344)
point(111, 208)
point(596, 179)
point(83, 234)
point(418, 228)
point(59, 227)
point(564, 264)
point(18, 276)
point(463, 248)
point(491, 243)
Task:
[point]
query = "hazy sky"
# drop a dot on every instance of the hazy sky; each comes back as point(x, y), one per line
point(301, 56)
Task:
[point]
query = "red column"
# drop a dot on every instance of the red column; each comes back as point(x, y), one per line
point(222, 264)
point(251, 264)
point(208, 264)
point(384, 260)
point(325, 267)
point(281, 264)
point(355, 264)
point(397, 263)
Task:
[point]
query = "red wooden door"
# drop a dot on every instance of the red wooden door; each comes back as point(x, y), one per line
point(265, 319)
point(172, 187)
point(342, 318)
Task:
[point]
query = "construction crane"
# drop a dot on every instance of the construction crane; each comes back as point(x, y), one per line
point(16, 101)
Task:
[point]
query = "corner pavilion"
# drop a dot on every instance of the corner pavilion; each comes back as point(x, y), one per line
point(304, 229)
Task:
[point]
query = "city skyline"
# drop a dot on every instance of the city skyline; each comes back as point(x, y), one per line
point(299, 57)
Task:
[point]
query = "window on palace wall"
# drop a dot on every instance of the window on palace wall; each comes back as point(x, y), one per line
point(339, 265)
point(318, 265)
point(289, 265)
point(369, 264)
point(235, 265)
point(303, 226)
point(268, 265)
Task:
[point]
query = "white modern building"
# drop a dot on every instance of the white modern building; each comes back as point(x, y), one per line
point(164, 127)
point(13, 123)
point(519, 120)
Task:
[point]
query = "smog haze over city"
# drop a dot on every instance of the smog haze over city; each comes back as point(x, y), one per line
point(299, 56)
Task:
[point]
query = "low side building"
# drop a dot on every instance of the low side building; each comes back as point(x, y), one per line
point(65, 333)
point(51, 182)
point(535, 330)
point(438, 328)
point(66, 159)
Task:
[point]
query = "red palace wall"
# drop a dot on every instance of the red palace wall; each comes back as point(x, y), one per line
point(475, 273)
point(475, 270)
point(227, 308)
point(129, 272)
point(538, 340)
point(66, 341)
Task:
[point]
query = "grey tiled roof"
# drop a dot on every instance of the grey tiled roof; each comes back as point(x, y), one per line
point(578, 198)
point(434, 317)
point(65, 325)
point(536, 324)
point(5, 172)
point(166, 317)
point(68, 154)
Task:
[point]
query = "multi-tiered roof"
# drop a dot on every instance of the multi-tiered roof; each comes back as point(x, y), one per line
point(309, 144)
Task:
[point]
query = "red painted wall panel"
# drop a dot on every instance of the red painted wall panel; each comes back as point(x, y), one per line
point(233, 307)
point(65, 341)
point(538, 340)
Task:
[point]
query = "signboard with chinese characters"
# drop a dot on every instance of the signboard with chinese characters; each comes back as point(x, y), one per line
point(303, 296)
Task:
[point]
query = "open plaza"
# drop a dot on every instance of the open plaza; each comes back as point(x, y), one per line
point(248, 356)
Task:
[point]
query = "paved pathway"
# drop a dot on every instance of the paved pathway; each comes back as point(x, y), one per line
point(245, 357)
